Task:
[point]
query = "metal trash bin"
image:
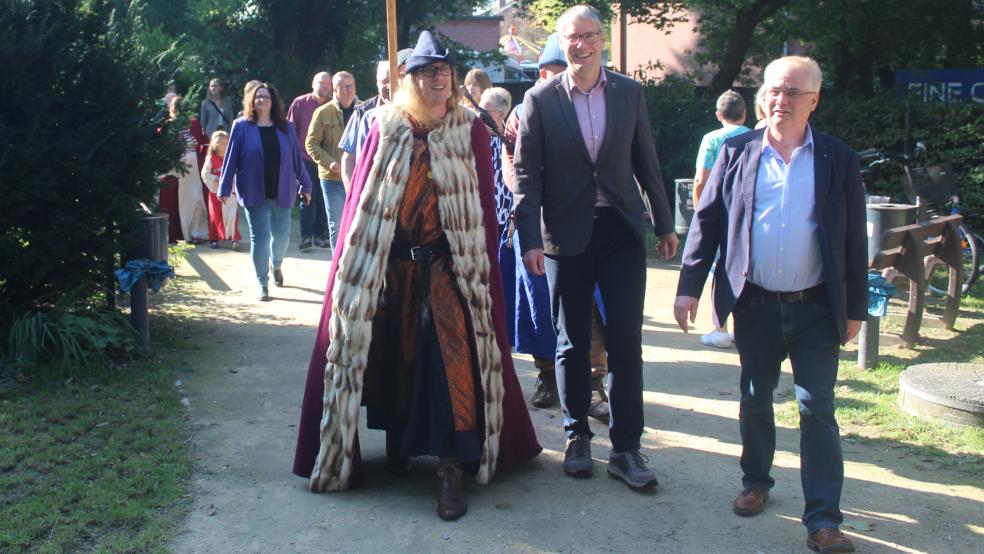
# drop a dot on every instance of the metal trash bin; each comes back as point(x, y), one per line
point(885, 216)
point(684, 203)
point(149, 239)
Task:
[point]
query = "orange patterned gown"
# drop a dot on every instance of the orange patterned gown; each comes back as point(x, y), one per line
point(422, 389)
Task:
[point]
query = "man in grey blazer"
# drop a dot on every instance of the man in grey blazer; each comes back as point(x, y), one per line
point(585, 146)
point(786, 206)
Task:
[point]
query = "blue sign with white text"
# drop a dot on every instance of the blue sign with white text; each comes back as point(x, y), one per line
point(941, 85)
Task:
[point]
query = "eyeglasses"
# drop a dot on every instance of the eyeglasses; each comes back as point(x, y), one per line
point(586, 38)
point(432, 71)
point(788, 92)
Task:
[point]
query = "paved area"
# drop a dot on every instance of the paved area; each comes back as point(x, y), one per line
point(244, 378)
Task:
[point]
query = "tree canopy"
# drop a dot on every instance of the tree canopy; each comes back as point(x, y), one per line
point(860, 43)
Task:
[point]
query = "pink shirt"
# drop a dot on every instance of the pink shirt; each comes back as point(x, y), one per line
point(299, 113)
point(591, 117)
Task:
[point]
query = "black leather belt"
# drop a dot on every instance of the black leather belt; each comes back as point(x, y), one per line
point(424, 254)
point(764, 296)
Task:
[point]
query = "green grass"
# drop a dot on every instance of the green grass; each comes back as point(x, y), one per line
point(96, 464)
point(867, 401)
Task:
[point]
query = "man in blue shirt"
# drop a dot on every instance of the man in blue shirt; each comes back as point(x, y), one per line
point(730, 111)
point(358, 125)
point(785, 206)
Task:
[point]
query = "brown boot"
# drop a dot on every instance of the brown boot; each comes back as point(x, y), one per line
point(451, 490)
point(598, 408)
point(545, 392)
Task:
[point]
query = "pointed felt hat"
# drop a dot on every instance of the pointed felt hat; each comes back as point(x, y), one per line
point(428, 50)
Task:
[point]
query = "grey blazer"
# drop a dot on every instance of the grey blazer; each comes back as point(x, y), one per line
point(556, 180)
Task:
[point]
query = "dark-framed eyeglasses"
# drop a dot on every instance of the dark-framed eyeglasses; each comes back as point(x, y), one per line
point(586, 38)
point(432, 71)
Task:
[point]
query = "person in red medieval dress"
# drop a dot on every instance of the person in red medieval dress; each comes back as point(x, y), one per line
point(413, 325)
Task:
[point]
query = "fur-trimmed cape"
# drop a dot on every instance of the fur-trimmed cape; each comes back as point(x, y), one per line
point(327, 447)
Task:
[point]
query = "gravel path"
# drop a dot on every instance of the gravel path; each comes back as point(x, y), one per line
point(245, 376)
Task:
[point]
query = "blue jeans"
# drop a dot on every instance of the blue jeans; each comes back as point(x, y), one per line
point(765, 334)
point(615, 259)
point(269, 234)
point(334, 192)
point(312, 215)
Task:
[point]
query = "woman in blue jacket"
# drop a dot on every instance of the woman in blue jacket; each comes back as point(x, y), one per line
point(263, 162)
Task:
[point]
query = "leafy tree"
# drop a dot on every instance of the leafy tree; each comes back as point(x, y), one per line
point(862, 42)
point(82, 145)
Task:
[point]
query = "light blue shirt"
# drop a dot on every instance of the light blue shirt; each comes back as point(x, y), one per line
point(785, 250)
point(710, 145)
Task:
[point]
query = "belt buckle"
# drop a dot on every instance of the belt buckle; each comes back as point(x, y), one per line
point(421, 253)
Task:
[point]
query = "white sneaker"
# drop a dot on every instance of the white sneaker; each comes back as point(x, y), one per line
point(717, 339)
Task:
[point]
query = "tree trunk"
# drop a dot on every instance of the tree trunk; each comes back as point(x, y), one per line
point(746, 21)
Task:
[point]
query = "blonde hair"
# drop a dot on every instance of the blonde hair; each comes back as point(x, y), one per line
point(213, 142)
point(480, 77)
point(411, 100)
point(760, 103)
point(248, 88)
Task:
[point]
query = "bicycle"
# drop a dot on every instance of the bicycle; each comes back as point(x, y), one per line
point(933, 189)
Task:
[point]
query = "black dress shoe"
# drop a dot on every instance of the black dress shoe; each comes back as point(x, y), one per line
point(278, 276)
point(577, 457)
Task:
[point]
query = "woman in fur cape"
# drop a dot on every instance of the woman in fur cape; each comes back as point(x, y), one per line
point(413, 324)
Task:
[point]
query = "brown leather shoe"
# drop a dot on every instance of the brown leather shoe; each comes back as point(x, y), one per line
point(750, 502)
point(829, 540)
point(451, 490)
point(545, 393)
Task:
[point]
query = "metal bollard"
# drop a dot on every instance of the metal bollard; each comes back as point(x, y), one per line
point(151, 243)
point(868, 343)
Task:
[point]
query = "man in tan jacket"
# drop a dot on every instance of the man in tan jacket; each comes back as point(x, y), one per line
point(327, 125)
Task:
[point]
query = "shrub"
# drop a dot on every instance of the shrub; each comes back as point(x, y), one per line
point(680, 116)
point(953, 133)
point(70, 335)
point(82, 147)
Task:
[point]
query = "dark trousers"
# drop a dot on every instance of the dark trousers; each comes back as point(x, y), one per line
point(615, 259)
point(766, 332)
point(313, 218)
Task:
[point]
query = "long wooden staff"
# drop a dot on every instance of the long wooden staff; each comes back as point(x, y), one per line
point(391, 46)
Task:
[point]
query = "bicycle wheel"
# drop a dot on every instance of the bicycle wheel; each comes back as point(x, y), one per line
point(971, 265)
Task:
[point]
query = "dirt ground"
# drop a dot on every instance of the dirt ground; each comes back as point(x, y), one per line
point(245, 376)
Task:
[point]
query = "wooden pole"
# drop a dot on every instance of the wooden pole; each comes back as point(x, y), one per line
point(392, 47)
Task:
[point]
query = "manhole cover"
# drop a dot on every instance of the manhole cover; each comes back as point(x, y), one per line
point(950, 392)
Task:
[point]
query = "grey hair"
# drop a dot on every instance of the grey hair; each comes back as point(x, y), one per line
point(731, 106)
point(382, 69)
point(813, 72)
point(499, 97)
point(337, 77)
point(578, 12)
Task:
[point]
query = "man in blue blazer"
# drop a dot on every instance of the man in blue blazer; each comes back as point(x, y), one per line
point(786, 207)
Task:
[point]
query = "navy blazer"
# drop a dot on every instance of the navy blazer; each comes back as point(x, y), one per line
point(727, 207)
point(243, 166)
